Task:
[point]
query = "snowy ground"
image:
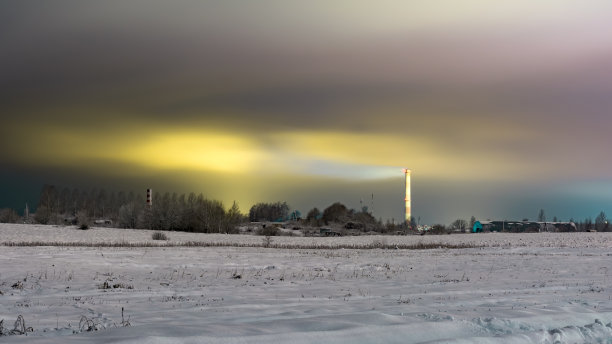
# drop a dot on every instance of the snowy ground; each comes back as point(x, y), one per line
point(513, 288)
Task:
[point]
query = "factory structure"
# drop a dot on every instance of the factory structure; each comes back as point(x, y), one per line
point(495, 226)
point(523, 226)
point(407, 214)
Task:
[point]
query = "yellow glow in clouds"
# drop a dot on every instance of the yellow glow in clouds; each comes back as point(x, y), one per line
point(178, 149)
point(320, 153)
point(199, 151)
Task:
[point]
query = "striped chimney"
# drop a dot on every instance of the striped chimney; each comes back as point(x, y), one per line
point(407, 198)
point(149, 197)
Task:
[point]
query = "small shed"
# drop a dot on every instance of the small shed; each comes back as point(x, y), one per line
point(328, 232)
point(477, 227)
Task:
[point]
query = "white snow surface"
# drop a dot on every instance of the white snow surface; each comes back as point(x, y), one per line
point(512, 288)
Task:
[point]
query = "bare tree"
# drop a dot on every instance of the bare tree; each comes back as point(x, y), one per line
point(269, 212)
point(129, 214)
point(42, 215)
point(541, 216)
point(8, 215)
point(173, 213)
point(601, 222)
point(459, 224)
point(47, 211)
point(313, 217)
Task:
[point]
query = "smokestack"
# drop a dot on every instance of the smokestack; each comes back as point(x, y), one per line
point(407, 198)
point(149, 197)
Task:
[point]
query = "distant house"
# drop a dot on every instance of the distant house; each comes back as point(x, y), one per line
point(522, 226)
point(103, 222)
point(328, 232)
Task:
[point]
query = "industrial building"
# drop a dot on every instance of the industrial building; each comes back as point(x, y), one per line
point(407, 198)
point(522, 226)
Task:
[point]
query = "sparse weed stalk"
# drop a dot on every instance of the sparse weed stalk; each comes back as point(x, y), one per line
point(267, 241)
point(20, 328)
point(400, 300)
point(159, 236)
point(124, 322)
point(87, 325)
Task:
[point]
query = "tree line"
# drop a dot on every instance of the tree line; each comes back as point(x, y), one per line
point(185, 212)
point(196, 213)
point(171, 211)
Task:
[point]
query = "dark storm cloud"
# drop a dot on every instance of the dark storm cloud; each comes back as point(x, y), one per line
point(185, 61)
point(72, 52)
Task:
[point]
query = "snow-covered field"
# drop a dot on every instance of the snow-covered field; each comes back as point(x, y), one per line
point(510, 288)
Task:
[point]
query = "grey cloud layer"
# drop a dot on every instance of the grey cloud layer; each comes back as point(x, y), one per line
point(529, 81)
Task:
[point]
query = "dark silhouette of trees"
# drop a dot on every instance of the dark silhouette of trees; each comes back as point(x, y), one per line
point(438, 230)
point(459, 224)
point(233, 218)
point(541, 216)
point(8, 215)
point(473, 221)
point(313, 217)
point(196, 213)
point(269, 212)
point(48, 205)
point(210, 215)
point(192, 213)
point(601, 222)
point(336, 212)
point(129, 214)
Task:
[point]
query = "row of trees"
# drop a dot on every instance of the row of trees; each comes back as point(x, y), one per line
point(56, 205)
point(8, 215)
point(191, 213)
point(195, 213)
point(350, 218)
point(600, 224)
point(336, 214)
point(269, 212)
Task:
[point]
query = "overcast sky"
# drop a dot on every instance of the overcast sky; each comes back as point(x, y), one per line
point(499, 109)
